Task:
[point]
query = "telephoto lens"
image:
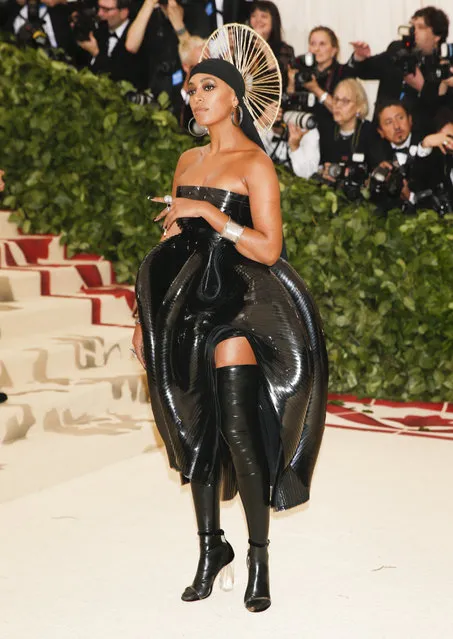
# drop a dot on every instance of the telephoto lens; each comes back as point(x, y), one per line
point(302, 119)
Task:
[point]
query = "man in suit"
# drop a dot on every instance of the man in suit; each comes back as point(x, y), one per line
point(418, 88)
point(434, 170)
point(107, 49)
point(53, 20)
point(202, 18)
point(396, 150)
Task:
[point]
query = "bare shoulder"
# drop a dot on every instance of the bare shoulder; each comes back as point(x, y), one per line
point(259, 166)
point(190, 156)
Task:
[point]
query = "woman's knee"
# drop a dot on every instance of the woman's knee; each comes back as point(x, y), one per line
point(234, 351)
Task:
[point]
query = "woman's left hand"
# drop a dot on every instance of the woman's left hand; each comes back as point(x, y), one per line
point(180, 207)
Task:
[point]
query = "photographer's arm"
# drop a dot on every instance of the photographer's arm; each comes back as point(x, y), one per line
point(175, 13)
point(137, 30)
point(304, 151)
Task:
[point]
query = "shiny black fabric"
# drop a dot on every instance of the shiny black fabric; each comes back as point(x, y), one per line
point(195, 290)
point(237, 390)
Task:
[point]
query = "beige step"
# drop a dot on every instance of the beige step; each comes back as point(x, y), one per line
point(72, 408)
point(45, 314)
point(7, 229)
point(19, 284)
point(66, 354)
point(114, 310)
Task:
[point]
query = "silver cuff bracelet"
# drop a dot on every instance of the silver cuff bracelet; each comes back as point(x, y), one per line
point(232, 231)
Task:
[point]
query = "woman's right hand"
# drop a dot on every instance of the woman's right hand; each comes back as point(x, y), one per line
point(137, 343)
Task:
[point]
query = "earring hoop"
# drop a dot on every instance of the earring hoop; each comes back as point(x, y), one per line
point(202, 130)
point(241, 115)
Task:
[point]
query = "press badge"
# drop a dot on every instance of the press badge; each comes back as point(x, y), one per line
point(177, 78)
point(209, 9)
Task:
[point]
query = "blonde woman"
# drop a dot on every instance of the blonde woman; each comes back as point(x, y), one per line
point(349, 132)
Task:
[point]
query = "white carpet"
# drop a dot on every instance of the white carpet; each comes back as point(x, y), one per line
point(108, 553)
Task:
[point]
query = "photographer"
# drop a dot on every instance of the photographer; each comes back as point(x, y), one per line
point(392, 182)
point(202, 17)
point(266, 21)
point(434, 172)
point(407, 70)
point(106, 45)
point(327, 72)
point(293, 145)
point(157, 30)
point(43, 24)
point(345, 142)
point(348, 133)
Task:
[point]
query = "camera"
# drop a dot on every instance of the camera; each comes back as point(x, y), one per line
point(443, 60)
point(405, 56)
point(84, 18)
point(349, 175)
point(32, 32)
point(438, 199)
point(306, 68)
point(302, 119)
point(140, 97)
point(296, 108)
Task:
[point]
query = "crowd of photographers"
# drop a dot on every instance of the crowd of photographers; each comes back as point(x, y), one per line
point(401, 158)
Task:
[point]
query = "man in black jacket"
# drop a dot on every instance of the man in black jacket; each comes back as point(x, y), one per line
point(419, 89)
point(204, 17)
point(106, 45)
point(395, 153)
point(53, 19)
point(434, 171)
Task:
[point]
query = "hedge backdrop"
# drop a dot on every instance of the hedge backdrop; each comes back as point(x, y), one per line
point(80, 161)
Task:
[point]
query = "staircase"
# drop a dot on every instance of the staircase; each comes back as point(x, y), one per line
point(65, 362)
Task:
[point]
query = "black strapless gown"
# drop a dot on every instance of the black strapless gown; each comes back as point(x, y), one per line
point(195, 290)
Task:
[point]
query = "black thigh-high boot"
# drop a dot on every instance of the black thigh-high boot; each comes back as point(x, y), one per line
point(216, 554)
point(238, 398)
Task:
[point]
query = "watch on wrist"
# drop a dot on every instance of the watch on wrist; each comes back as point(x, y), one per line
point(181, 31)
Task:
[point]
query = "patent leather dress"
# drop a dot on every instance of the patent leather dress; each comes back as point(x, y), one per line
point(193, 291)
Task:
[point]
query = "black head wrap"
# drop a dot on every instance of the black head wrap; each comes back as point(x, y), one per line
point(228, 73)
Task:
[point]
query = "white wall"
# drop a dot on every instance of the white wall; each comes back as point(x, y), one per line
point(374, 21)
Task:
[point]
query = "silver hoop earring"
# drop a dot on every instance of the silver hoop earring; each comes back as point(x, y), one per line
point(195, 129)
point(241, 115)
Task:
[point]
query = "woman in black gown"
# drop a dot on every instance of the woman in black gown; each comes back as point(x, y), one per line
point(230, 337)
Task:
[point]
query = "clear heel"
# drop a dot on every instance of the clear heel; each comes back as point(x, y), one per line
point(226, 577)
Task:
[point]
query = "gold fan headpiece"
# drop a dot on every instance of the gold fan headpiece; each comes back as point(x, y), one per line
point(253, 58)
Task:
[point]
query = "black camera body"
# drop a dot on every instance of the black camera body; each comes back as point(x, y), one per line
point(439, 69)
point(306, 68)
point(31, 32)
point(84, 18)
point(349, 175)
point(405, 55)
point(439, 199)
point(386, 183)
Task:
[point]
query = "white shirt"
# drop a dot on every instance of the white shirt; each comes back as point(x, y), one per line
point(47, 27)
point(118, 32)
point(113, 41)
point(305, 159)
